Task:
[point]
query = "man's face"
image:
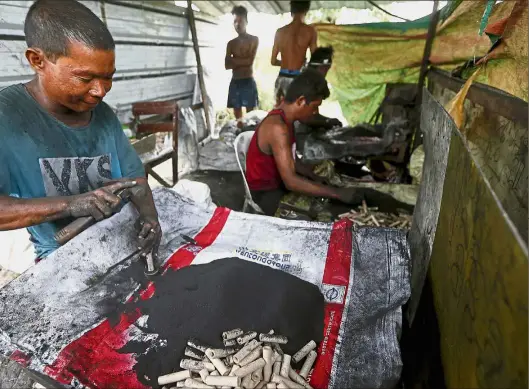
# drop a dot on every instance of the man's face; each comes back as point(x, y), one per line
point(305, 111)
point(239, 23)
point(80, 80)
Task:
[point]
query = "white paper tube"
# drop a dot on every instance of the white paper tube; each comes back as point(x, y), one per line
point(220, 366)
point(180, 384)
point(220, 352)
point(282, 385)
point(197, 344)
point(304, 351)
point(276, 357)
point(203, 374)
point(253, 384)
point(268, 354)
point(250, 368)
point(247, 381)
point(290, 384)
point(174, 377)
point(230, 342)
point(254, 354)
point(234, 369)
point(232, 334)
point(285, 365)
point(298, 379)
point(257, 375)
point(261, 385)
point(193, 353)
point(214, 373)
point(194, 384)
point(243, 339)
point(307, 365)
point(247, 349)
point(232, 381)
point(273, 338)
point(268, 357)
point(193, 365)
point(277, 368)
point(270, 385)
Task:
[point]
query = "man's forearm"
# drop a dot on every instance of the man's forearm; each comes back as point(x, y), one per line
point(305, 170)
point(300, 185)
point(234, 63)
point(20, 213)
point(143, 200)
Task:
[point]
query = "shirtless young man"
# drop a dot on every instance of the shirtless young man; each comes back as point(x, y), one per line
point(292, 41)
point(240, 54)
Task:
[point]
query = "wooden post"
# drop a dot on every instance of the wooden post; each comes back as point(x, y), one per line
point(424, 68)
point(193, 27)
point(428, 46)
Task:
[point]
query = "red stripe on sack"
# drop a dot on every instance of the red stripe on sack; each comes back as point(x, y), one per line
point(20, 358)
point(185, 255)
point(94, 358)
point(336, 272)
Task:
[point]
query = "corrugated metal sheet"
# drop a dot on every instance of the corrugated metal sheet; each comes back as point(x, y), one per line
point(154, 51)
point(217, 8)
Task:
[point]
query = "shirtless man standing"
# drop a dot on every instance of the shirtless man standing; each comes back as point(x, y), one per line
point(240, 54)
point(292, 41)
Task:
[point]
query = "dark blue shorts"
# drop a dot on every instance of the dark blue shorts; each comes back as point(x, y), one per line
point(243, 93)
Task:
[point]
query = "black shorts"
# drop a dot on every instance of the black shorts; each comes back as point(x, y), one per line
point(268, 200)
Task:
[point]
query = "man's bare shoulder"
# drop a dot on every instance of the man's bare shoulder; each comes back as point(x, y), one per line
point(275, 127)
point(282, 30)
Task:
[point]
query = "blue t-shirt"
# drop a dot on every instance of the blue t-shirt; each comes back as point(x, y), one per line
point(41, 156)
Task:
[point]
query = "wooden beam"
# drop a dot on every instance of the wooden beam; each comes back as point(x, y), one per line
point(492, 99)
point(200, 72)
point(424, 68)
point(428, 47)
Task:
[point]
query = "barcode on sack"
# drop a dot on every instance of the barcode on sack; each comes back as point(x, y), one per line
point(333, 293)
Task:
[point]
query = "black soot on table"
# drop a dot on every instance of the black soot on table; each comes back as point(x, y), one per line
point(202, 301)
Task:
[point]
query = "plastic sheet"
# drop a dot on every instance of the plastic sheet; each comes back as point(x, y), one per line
point(219, 154)
point(360, 141)
point(54, 317)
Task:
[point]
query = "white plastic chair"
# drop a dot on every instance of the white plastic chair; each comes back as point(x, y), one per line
point(241, 144)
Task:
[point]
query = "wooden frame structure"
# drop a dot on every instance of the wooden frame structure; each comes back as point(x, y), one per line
point(164, 109)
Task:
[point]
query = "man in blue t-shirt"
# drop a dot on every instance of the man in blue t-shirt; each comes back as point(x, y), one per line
point(63, 153)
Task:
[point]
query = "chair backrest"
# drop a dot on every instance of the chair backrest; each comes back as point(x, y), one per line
point(169, 107)
point(241, 144)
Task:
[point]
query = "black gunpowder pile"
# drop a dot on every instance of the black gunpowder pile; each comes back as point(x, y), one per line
point(202, 301)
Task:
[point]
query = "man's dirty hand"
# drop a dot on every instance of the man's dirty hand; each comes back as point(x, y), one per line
point(149, 234)
point(100, 203)
point(352, 196)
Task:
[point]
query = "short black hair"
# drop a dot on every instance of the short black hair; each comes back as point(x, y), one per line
point(239, 10)
point(299, 7)
point(310, 84)
point(51, 25)
point(322, 54)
